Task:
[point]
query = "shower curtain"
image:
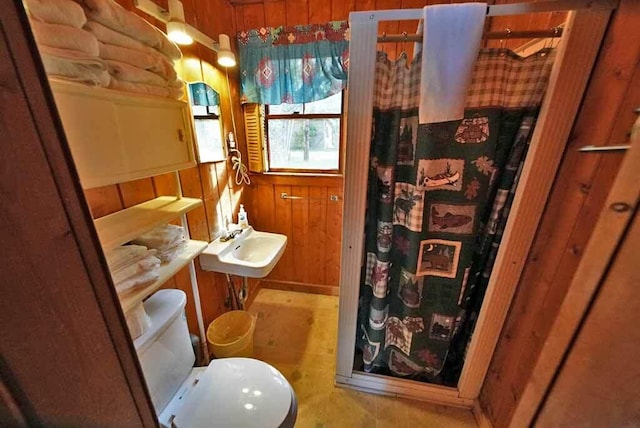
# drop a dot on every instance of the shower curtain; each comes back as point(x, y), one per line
point(438, 198)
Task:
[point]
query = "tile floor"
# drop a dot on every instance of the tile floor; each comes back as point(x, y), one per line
point(296, 333)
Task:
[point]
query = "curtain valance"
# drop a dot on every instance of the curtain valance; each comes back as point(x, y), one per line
point(297, 64)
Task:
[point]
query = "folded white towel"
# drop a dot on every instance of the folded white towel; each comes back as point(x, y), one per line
point(65, 37)
point(141, 88)
point(152, 61)
point(452, 36)
point(144, 278)
point(162, 237)
point(114, 16)
point(137, 268)
point(130, 73)
point(124, 255)
point(167, 255)
point(65, 12)
point(138, 321)
point(74, 66)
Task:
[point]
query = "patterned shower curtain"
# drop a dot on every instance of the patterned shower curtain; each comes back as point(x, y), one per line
point(438, 199)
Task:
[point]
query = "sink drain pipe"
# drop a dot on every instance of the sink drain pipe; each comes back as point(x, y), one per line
point(238, 298)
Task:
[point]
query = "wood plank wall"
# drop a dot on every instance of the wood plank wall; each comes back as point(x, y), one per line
point(582, 184)
point(313, 225)
point(212, 182)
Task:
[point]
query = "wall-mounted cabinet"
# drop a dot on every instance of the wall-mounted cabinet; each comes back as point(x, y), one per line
point(116, 137)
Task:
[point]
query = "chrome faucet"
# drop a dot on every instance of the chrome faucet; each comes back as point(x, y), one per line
point(230, 235)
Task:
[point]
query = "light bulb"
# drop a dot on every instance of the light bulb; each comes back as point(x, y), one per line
point(177, 32)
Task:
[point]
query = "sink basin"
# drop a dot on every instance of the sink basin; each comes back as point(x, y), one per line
point(251, 254)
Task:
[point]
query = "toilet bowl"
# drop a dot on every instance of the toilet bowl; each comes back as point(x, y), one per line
point(229, 392)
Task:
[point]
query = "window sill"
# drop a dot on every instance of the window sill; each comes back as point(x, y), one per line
point(301, 174)
point(298, 179)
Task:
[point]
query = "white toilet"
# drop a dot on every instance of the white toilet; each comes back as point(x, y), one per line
point(230, 392)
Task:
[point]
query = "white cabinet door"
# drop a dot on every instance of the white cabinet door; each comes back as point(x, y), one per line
point(116, 137)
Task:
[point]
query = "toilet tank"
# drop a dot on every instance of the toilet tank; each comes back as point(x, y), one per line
point(165, 351)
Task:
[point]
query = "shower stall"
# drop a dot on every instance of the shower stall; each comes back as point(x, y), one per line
point(569, 73)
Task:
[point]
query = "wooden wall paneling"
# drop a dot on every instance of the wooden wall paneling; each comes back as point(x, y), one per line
point(581, 186)
point(365, 5)
point(165, 184)
point(597, 384)
point(197, 218)
point(239, 13)
point(318, 230)
point(333, 238)
point(275, 13)
point(224, 199)
point(297, 12)
point(320, 12)
point(57, 294)
point(253, 15)
point(282, 224)
point(582, 295)
point(340, 9)
point(266, 207)
point(103, 200)
point(300, 234)
point(136, 191)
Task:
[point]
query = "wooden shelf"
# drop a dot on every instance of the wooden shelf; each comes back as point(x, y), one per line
point(130, 298)
point(123, 226)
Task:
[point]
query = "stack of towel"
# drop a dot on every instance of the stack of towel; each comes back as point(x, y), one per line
point(67, 50)
point(167, 240)
point(138, 56)
point(132, 266)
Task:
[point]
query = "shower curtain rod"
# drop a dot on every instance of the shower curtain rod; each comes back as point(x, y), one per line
point(502, 35)
point(495, 10)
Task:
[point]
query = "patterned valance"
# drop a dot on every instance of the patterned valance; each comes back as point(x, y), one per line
point(297, 64)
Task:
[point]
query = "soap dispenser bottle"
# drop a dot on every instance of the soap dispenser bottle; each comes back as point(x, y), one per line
point(242, 218)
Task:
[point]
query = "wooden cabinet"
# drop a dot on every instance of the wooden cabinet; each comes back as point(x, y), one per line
point(116, 137)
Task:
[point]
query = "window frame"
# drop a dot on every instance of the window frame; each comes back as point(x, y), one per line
point(299, 116)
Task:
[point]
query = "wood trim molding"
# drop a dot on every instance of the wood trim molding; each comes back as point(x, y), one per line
point(327, 290)
point(578, 51)
point(386, 385)
point(482, 420)
point(606, 236)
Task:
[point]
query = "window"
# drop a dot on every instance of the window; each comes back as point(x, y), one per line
point(208, 133)
point(304, 137)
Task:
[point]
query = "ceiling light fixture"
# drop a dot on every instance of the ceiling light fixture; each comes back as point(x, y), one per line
point(184, 34)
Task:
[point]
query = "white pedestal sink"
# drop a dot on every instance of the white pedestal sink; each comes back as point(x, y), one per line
point(250, 254)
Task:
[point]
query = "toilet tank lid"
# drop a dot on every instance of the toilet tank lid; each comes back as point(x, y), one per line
point(162, 307)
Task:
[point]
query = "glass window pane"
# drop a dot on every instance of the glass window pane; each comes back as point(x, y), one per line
point(285, 109)
point(333, 104)
point(304, 144)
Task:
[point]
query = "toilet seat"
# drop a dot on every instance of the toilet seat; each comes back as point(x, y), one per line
point(237, 392)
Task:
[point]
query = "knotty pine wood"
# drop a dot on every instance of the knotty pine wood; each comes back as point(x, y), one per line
point(212, 182)
point(67, 358)
point(274, 13)
point(597, 384)
point(581, 186)
point(313, 226)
